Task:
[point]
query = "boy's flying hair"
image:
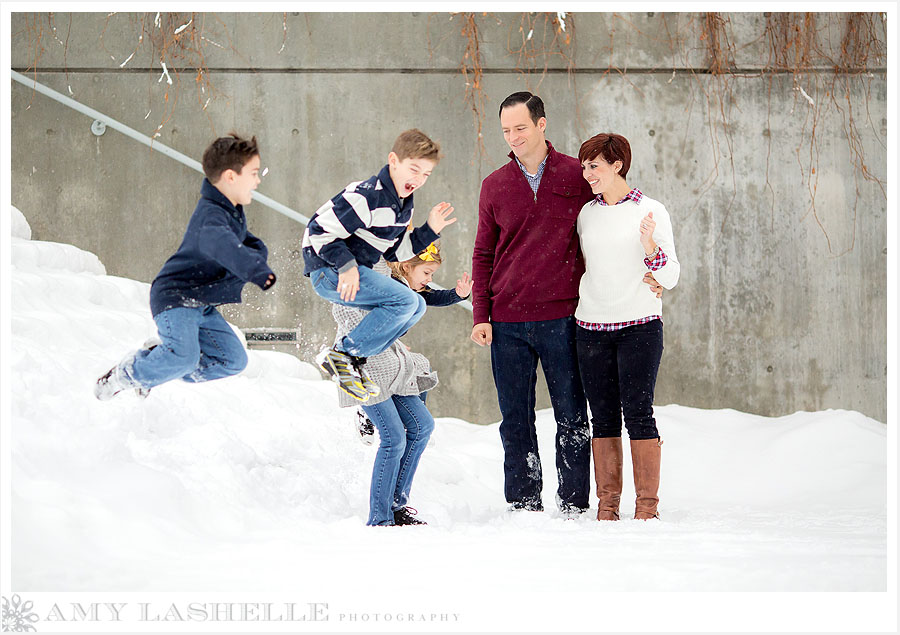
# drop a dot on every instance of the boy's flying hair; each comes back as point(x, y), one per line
point(415, 144)
point(228, 153)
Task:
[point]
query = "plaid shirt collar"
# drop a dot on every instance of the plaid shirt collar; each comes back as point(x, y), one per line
point(540, 170)
point(634, 195)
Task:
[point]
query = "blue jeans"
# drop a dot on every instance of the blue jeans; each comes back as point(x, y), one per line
point(197, 345)
point(515, 351)
point(393, 309)
point(404, 427)
point(618, 369)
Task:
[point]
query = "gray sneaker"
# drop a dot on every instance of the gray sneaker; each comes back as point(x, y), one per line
point(110, 385)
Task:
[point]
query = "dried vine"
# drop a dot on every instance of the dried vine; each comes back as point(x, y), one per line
point(531, 55)
point(556, 38)
point(472, 71)
point(793, 44)
point(175, 45)
point(824, 80)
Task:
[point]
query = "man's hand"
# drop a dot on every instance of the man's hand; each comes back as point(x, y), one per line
point(269, 283)
point(348, 284)
point(438, 217)
point(655, 287)
point(482, 334)
point(464, 285)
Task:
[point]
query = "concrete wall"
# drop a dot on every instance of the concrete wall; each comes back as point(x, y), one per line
point(781, 305)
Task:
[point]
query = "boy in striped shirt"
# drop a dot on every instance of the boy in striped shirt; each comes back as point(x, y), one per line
point(346, 237)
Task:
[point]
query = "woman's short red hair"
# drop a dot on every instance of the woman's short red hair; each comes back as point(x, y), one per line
point(611, 147)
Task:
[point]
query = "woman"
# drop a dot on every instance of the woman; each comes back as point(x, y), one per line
point(624, 235)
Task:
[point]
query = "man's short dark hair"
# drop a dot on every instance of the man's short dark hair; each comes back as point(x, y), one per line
point(228, 153)
point(534, 103)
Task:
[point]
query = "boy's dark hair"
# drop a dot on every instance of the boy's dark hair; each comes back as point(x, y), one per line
point(610, 147)
point(534, 103)
point(415, 144)
point(228, 153)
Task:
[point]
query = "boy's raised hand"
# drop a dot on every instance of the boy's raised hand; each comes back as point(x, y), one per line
point(464, 285)
point(438, 217)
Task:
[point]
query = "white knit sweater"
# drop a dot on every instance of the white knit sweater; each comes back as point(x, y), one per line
point(612, 288)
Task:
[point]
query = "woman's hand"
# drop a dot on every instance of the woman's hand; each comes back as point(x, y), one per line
point(647, 227)
point(464, 285)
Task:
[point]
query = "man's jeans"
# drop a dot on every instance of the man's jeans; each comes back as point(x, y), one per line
point(197, 345)
point(619, 370)
point(404, 427)
point(515, 351)
point(393, 309)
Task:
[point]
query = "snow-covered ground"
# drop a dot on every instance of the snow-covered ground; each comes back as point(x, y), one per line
point(258, 483)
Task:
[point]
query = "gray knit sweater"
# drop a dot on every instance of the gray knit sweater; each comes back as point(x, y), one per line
point(397, 371)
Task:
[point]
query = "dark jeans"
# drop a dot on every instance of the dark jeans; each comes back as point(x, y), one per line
point(515, 351)
point(618, 370)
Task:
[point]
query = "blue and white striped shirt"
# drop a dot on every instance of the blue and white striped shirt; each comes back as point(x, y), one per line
point(360, 224)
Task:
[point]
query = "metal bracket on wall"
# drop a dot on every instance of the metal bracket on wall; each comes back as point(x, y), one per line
point(98, 127)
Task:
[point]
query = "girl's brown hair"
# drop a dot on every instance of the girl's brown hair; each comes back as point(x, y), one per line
point(428, 256)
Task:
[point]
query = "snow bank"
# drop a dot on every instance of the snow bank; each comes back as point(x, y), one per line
point(19, 226)
point(258, 482)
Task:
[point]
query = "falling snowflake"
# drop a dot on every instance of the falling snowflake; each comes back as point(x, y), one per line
point(18, 616)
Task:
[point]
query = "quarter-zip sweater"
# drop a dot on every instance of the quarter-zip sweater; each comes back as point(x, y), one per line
point(217, 256)
point(527, 263)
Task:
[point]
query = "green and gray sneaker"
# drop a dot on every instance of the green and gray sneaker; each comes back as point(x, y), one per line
point(340, 367)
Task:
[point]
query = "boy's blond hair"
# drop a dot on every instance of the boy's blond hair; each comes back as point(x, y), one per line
point(415, 144)
point(428, 256)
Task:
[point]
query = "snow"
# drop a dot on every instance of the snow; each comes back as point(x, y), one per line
point(258, 483)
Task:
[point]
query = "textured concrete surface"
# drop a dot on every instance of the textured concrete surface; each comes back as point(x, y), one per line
point(781, 304)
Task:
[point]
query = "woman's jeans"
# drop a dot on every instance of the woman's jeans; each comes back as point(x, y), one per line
point(197, 345)
point(404, 427)
point(393, 309)
point(618, 370)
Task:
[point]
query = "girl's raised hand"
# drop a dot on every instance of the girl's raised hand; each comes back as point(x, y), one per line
point(464, 285)
point(438, 217)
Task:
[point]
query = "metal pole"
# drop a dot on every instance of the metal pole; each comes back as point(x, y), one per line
point(160, 147)
point(147, 141)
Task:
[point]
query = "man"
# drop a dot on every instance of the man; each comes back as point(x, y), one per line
point(526, 267)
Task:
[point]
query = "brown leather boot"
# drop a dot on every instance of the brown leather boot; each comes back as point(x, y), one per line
point(608, 473)
point(645, 459)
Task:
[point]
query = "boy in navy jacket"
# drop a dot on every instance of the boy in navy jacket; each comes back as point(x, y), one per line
point(216, 258)
point(349, 233)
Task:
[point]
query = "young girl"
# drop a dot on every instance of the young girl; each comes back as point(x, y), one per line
point(398, 411)
point(416, 273)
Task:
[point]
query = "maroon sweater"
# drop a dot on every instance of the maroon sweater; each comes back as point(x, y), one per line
point(527, 263)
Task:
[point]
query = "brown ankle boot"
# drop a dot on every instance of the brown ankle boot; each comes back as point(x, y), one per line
point(608, 473)
point(645, 459)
